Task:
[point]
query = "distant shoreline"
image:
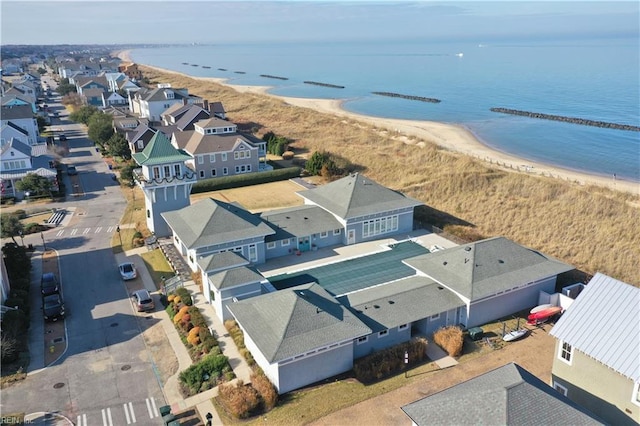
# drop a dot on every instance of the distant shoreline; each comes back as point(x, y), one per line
point(452, 137)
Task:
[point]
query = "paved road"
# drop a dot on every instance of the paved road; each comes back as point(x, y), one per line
point(106, 376)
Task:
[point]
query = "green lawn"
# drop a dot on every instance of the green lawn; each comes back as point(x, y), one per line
point(157, 265)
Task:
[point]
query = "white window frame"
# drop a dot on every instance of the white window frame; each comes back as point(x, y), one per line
point(403, 327)
point(383, 333)
point(213, 172)
point(562, 351)
point(337, 231)
point(361, 340)
point(434, 317)
point(253, 253)
point(224, 156)
point(324, 234)
point(212, 158)
point(177, 170)
point(200, 159)
point(201, 173)
point(225, 171)
point(285, 242)
point(559, 388)
point(635, 396)
point(271, 245)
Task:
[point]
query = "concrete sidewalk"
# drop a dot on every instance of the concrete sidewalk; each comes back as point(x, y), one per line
point(202, 401)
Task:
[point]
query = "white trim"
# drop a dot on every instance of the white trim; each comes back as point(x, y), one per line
point(558, 387)
point(271, 245)
point(383, 333)
point(561, 351)
point(403, 327)
point(635, 396)
point(362, 339)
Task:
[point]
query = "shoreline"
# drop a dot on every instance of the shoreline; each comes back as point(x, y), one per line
point(452, 137)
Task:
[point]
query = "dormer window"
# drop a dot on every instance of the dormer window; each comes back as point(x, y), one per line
point(169, 94)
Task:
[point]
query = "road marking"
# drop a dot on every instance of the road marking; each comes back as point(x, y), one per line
point(82, 420)
point(106, 417)
point(60, 232)
point(151, 407)
point(130, 418)
point(86, 231)
point(110, 229)
point(98, 229)
point(74, 231)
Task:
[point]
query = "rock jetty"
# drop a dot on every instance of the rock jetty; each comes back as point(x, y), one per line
point(573, 120)
point(222, 69)
point(410, 97)
point(240, 72)
point(317, 83)
point(273, 76)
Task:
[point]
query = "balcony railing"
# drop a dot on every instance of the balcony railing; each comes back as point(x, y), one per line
point(187, 177)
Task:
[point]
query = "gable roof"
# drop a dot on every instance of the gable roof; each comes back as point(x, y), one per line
point(508, 395)
point(15, 127)
point(190, 116)
point(196, 143)
point(17, 145)
point(357, 195)
point(221, 261)
point(400, 302)
point(233, 277)
point(159, 151)
point(291, 322)
point(604, 323)
point(299, 221)
point(485, 267)
point(212, 222)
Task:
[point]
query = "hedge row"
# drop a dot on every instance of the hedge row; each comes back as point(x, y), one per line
point(450, 338)
point(238, 338)
point(248, 179)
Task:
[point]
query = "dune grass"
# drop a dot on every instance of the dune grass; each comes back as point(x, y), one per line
point(593, 228)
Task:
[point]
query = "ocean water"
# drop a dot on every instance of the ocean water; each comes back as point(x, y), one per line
point(591, 79)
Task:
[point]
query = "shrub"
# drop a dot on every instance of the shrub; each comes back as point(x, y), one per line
point(287, 155)
point(209, 369)
point(32, 228)
point(171, 297)
point(450, 339)
point(20, 214)
point(170, 311)
point(196, 316)
point(9, 348)
point(388, 361)
point(184, 295)
point(267, 391)
point(240, 401)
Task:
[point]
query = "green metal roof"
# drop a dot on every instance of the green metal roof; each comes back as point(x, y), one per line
point(160, 151)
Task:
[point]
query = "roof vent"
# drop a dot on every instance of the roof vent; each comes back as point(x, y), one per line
point(306, 218)
point(444, 263)
point(440, 287)
point(287, 217)
point(391, 302)
point(376, 306)
point(500, 261)
point(467, 248)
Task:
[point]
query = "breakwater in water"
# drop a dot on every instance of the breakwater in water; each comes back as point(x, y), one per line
point(317, 83)
point(573, 120)
point(410, 97)
point(273, 76)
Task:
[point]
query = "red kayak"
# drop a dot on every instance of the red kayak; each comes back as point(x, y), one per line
point(543, 315)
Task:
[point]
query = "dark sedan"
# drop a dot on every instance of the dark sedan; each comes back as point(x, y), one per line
point(53, 307)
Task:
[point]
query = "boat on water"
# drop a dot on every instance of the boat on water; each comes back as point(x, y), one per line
point(185, 63)
point(515, 335)
point(194, 65)
point(543, 315)
point(204, 66)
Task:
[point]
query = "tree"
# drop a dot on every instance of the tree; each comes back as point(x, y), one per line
point(73, 100)
point(42, 123)
point(83, 114)
point(11, 226)
point(65, 89)
point(118, 146)
point(100, 128)
point(315, 163)
point(42, 71)
point(126, 173)
point(35, 183)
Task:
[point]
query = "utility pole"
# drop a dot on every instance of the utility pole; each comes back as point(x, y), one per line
point(119, 234)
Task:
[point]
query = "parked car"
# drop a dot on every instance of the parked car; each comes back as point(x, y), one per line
point(127, 271)
point(142, 301)
point(53, 307)
point(72, 171)
point(62, 138)
point(49, 284)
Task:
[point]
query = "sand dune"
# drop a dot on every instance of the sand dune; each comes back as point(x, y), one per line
point(451, 137)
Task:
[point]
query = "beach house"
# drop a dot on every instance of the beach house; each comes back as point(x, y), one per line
point(597, 355)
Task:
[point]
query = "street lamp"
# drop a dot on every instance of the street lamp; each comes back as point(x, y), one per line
point(21, 236)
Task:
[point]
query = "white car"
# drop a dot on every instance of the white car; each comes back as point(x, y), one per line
point(127, 271)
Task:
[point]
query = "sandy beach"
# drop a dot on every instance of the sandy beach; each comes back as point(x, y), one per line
point(448, 136)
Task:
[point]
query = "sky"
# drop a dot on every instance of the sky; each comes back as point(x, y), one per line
point(209, 21)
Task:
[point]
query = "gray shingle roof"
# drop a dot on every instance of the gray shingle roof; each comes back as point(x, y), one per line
point(211, 222)
point(604, 323)
point(14, 112)
point(357, 195)
point(508, 395)
point(197, 143)
point(299, 221)
point(400, 302)
point(234, 277)
point(190, 116)
point(290, 322)
point(221, 261)
point(160, 151)
point(18, 145)
point(483, 268)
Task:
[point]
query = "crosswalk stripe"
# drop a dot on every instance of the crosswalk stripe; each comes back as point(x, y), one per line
point(86, 231)
point(82, 420)
point(151, 407)
point(60, 232)
point(74, 231)
point(98, 229)
point(110, 229)
point(106, 417)
point(126, 413)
